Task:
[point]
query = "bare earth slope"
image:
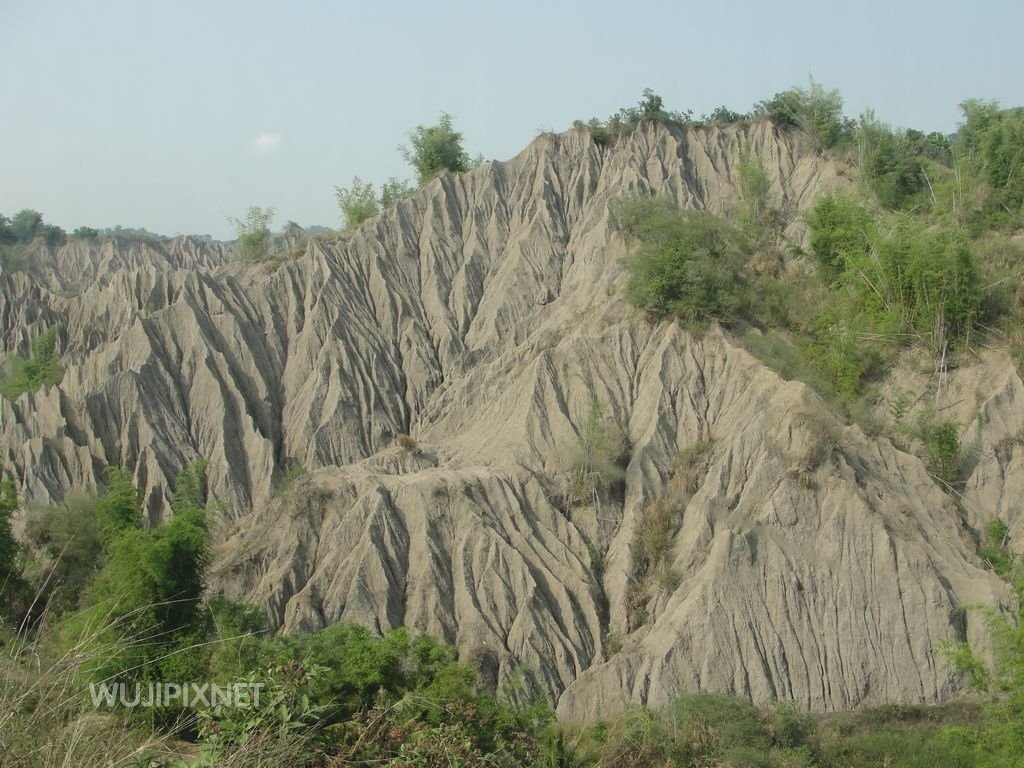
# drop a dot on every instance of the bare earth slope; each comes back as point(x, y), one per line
point(483, 316)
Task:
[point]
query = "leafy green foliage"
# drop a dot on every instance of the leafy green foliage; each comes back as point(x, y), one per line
point(841, 230)
point(941, 440)
point(119, 509)
point(436, 149)
point(359, 202)
point(905, 275)
point(393, 190)
point(725, 116)
point(816, 112)
point(146, 596)
point(651, 108)
point(710, 730)
point(995, 551)
point(990, 145)
point(133, 233)
point(897, 164)
point(41, 369)
point(279, 726)
point(999, 741)
point(26, 224)
point(363, 698)
point(254, 238)
point(87, 233)
point(685, 264)
point(21, 230)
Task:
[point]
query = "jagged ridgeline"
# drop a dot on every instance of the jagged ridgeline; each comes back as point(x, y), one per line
point(450, 418)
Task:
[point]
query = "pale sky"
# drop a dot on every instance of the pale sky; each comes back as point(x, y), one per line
point(173, 115)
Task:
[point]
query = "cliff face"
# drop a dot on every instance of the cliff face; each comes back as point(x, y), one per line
point(483, 316)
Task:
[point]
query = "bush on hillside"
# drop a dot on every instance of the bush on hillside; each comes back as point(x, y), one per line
point(41, 368)
point(682, 264)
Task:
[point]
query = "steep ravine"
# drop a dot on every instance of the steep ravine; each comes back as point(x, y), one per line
point(483, 316)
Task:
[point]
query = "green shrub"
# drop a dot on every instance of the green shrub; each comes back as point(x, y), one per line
point(685, 264)
point(357, 203)
point(842, 229)
point(994, 549)
point(87, 233)
point(788, 726)
point(146, 596)
point(903, 275)
point(65, 542)
point(254, 239)
point(896, 165)
point(41, 369)
point(435, 149)
point(651, 108)
point(941, 442)
point(817, 113)
point(393, 190)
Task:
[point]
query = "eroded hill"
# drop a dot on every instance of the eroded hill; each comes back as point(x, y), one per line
point(483, 317)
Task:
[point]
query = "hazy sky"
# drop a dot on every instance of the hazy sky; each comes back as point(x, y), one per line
point(173, 115)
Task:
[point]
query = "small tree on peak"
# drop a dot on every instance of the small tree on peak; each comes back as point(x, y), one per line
point(816, 112)
point(357, 202)
point(253, 231)
point(436, 149)
point(652, 106)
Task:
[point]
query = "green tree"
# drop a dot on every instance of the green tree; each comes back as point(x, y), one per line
point(357, 202)
point(435, 149)
point(119, 508)
point(143, 608)
point(991, 145)
point(652, 106)
point(26, 224)
point(254, 238)
point(686, 264)
point(86, 233)
point(53, 235)
point(393, 190)
point(815, 111)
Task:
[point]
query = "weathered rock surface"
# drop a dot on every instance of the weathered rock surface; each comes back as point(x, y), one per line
point(483, 317)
